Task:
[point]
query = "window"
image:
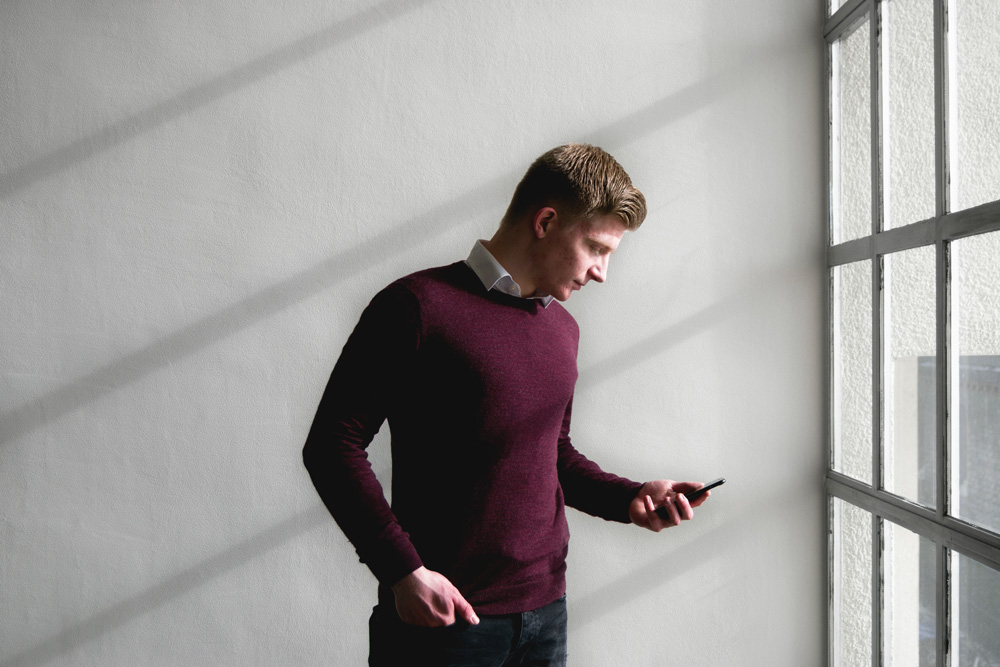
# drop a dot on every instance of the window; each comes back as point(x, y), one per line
point(913, 478)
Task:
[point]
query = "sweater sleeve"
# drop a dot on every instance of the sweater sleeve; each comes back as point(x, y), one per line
point(588, 488)
point(362, 387)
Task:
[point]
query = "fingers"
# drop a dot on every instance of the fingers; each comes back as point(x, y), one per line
point(452, 609)
point(684, 510)
point(661, 504)
point(700, 499)
point(429, 599)
point(657, 518)
point(464, 610)
point(674, 510)
point(672, 518)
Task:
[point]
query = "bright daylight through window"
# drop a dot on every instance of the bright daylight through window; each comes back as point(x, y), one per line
point(914, 332)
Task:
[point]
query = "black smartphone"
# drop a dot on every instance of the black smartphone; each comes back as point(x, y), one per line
point(694, 495)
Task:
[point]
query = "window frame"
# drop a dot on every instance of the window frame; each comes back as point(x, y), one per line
point(948, 533)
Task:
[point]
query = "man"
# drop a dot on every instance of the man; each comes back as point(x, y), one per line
point(474, 366)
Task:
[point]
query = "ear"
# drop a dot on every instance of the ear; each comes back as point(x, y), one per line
point(543, 220)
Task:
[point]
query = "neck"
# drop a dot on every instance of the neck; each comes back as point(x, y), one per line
point(512, 250)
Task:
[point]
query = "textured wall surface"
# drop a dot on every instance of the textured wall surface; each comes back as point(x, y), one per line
point(198, 199)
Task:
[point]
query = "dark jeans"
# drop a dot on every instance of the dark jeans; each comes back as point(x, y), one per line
point(531, 638)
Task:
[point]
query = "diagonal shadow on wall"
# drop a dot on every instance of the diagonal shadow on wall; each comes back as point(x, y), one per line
point(284, 294)
point(727, 307)
point(242, 314)
point(203, 94)
point(668, 565)
point(584, 610)
point(170, 588)
point(379, 248)
point(672, 562)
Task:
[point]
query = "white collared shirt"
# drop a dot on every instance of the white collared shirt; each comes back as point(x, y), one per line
point(494, 276)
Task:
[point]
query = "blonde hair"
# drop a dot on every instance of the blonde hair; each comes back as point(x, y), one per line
point(582, 182)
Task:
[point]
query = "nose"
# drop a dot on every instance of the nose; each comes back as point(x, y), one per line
point(599, 271)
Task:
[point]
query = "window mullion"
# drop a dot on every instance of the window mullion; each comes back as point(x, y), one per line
point(941, 109)
point(943, 321)
point(944, 367)
point(943, 612)
point(878, 587)
point(875, 30)
point(878, 327)
point(944, 386)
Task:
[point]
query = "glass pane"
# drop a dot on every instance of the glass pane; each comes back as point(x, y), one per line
point(908, 65)
point(974, 619)
point(852, 390)
point(976, 307)
point(852, 138)
point(910, 400)
point(852, 575)
point(975, 173)
point(910, 599)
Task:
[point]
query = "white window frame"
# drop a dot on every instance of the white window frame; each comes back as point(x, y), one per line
point(948, 533)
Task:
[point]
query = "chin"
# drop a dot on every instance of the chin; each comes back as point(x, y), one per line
point(564, 296)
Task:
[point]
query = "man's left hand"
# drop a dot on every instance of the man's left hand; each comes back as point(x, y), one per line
point(668, 494)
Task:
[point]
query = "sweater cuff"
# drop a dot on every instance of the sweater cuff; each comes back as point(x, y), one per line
point(396, 564)
point(629, 491)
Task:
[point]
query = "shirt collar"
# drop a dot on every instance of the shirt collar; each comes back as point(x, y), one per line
point(494, 276)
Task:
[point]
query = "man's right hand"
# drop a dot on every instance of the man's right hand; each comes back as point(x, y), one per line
point(427, 598)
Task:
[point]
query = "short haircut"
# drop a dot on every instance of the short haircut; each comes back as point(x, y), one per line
point(581, 182)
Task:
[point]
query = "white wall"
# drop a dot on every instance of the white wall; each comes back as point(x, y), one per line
point(198, 199)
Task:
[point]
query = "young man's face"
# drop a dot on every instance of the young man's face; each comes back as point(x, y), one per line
point(571, 256)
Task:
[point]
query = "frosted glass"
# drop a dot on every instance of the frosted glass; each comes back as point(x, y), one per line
point(908, 66)
point(976, 307)
point(852, 585)
point(910, 375)
point(852, 136)
point(910, 624)
point(852, 361)
point(974, 617)
point(975, 169)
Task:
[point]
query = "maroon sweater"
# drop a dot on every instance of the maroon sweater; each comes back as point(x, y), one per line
point(477, 388)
